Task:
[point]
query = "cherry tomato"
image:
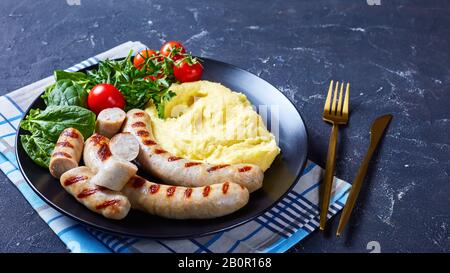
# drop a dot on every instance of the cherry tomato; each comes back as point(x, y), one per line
point(167, 48)
point(140, 58)
point(185, 72)
point(104, 96)
point(154, 78)
point(150, 77)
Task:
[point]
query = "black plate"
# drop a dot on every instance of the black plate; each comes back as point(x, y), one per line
point(279, 178)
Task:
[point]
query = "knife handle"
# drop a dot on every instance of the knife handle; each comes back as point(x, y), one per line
point(356, 187)
point(328, 178)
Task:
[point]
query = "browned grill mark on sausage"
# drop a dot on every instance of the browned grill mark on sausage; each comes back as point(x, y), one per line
point(188, 192)
point(61, 154)
point(86, 192)
point(64, 144)
point(242, 187)
point(106, 204)
point(154, 188)
point(171, 191)
point(190, 164)
point(71, 133)
point(143, 133)
point(206, 191)
point(244, 169)
point(149, 142)
point(225, 187)
point(74, 179)
point(137, 182)
point(139, 114)
point(98, 139)
point(104, 152)
point(138, 124)
point(174, 158)
point(160, 151)
point(216, 167)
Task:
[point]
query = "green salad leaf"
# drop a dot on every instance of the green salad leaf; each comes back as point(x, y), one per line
point(73, 76)
point(45, 126)
point(78, 78)
point(54, 119)
point(162, 99)
point(66, 92)
point(48, 90)
point(133, 83)
point(70, 88)
point(39, 149)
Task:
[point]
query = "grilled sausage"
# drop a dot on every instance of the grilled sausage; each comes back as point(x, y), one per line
point(180, 171)
point(77, 182)
point(114, 174)
point(109, 121)
point(111, 171)
point(96, 151)
point(185, 203)
point(125, 146)
point(67, 152)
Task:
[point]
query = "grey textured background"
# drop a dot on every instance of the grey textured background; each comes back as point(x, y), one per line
point(395, 55)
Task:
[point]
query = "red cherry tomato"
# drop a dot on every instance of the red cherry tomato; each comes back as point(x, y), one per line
point(104, 96)
point(185, 72)
point(167, 48)
point(140, 58)
point(150, 77)
point(154, 78)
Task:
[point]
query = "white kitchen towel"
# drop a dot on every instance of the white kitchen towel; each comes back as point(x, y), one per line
point(290, 220)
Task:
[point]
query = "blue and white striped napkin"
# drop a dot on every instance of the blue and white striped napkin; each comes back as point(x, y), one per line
point(291, 220)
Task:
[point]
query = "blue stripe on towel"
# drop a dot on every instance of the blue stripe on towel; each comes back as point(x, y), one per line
point(166, 246)
point(202, 247)
point(124, 248)
point(10, 119)
point(62, 232)
point(14, 103)
point(55, 218)
point(253, 233)
point(211, 241)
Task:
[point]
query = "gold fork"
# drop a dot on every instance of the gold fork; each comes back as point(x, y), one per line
point(336, 113)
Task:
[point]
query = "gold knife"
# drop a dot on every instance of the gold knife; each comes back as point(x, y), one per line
point(376, 133)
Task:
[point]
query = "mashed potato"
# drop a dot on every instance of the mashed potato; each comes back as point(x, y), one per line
point(209, 122)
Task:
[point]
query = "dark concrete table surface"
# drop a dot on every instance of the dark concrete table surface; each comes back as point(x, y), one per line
point(396, 56)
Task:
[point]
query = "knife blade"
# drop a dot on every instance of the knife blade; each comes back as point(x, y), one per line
point(376, 133)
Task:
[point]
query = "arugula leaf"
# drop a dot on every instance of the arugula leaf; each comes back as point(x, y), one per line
point(66, 92)
point(39, 149)
point(134, 84)
point(162, 99)
point(54, 119)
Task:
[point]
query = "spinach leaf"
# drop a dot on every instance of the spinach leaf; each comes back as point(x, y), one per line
point(48, 90)
point(66, 92)
point(26, 124)
point(39, 149)
point(77, 82)
point(73, 76)
point(54, 119)
point(46, 126)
